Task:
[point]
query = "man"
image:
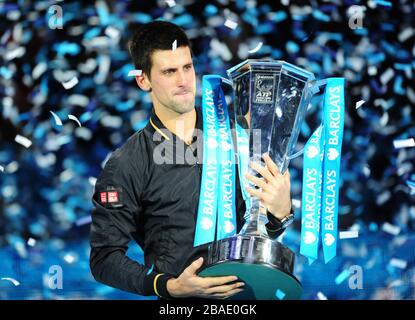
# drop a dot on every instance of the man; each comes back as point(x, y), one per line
point(156, 204)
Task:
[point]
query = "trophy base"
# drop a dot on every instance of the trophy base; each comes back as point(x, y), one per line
point(264, 265)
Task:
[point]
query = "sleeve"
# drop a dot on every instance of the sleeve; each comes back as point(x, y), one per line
point(114, 217)
point(273, 227)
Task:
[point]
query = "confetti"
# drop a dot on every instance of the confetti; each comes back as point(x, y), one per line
point(174, 45)
point(342, 276)
point(69, 258)
point(83, 221)
point(387, 76)
point(171, 3)
point(405, 143)
point(1, 168)
point(349, 234)
point(25, 142)
point(31, 242)
point(391, 229)
point(359, 103)
point(256, 49)
point(14, 281)
point(398, 263)
point(231, 24)
point(112, 32)
point(58, 121)
point(280, 294)
point(321, 296)
point(72, 117)
point(134, 73)
point(406, 34)
point(92, 181)
point(71, 83)
point(150, 270)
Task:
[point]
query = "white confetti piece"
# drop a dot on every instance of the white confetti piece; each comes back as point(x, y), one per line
point(231, 24)
point(69, 258)
point(405, 34)
point(398, 263)
point(92, 181)
point(112, 32)
point(15, 53)
point(372, 71)
point(1, 168)
point(259, 45)
point(391, 229)
point(39, 69)
point(349, 234)
point(14, 281)
point(404, 143)
point(359, 103)
point(174, 45)
point(387, 76)
point(78, 99)
point(135, 73)
point(383, 197)
point(171, 3)
point(58, 121)
point(321, 296)
point(25, 142)
point(71, 83)
point(31, 242)
point(72, 117)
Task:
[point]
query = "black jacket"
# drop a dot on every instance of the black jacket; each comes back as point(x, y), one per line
point(154, 204)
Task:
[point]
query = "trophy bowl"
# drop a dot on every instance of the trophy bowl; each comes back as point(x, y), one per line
point(270, 103)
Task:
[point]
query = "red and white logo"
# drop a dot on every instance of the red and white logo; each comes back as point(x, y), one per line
point(112, 196)
point(103, 196)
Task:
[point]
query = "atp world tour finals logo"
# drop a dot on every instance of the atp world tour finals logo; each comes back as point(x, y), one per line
point(264, 88)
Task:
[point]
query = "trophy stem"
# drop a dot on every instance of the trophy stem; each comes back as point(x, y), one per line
point(255, 224)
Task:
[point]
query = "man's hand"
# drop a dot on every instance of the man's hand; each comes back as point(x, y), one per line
point(274, 192)
point(189, 284)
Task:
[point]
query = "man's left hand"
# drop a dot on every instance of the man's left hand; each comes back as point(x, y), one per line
point(274, 192)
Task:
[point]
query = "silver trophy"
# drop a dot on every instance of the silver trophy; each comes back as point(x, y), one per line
point(270, 103)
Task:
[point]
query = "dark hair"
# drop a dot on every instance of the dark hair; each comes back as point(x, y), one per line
point(155, 35)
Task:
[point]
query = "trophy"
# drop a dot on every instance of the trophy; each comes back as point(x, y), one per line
point(270, 103)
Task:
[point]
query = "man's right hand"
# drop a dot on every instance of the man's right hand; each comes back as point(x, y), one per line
point(189, 284)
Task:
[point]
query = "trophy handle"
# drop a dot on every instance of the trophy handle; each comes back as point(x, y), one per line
point(315, 87)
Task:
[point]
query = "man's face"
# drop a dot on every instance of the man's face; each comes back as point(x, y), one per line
point(173, 79)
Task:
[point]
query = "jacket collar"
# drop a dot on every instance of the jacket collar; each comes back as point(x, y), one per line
point(156, 126)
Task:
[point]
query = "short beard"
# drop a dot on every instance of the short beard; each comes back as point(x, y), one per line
point(183, 107)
